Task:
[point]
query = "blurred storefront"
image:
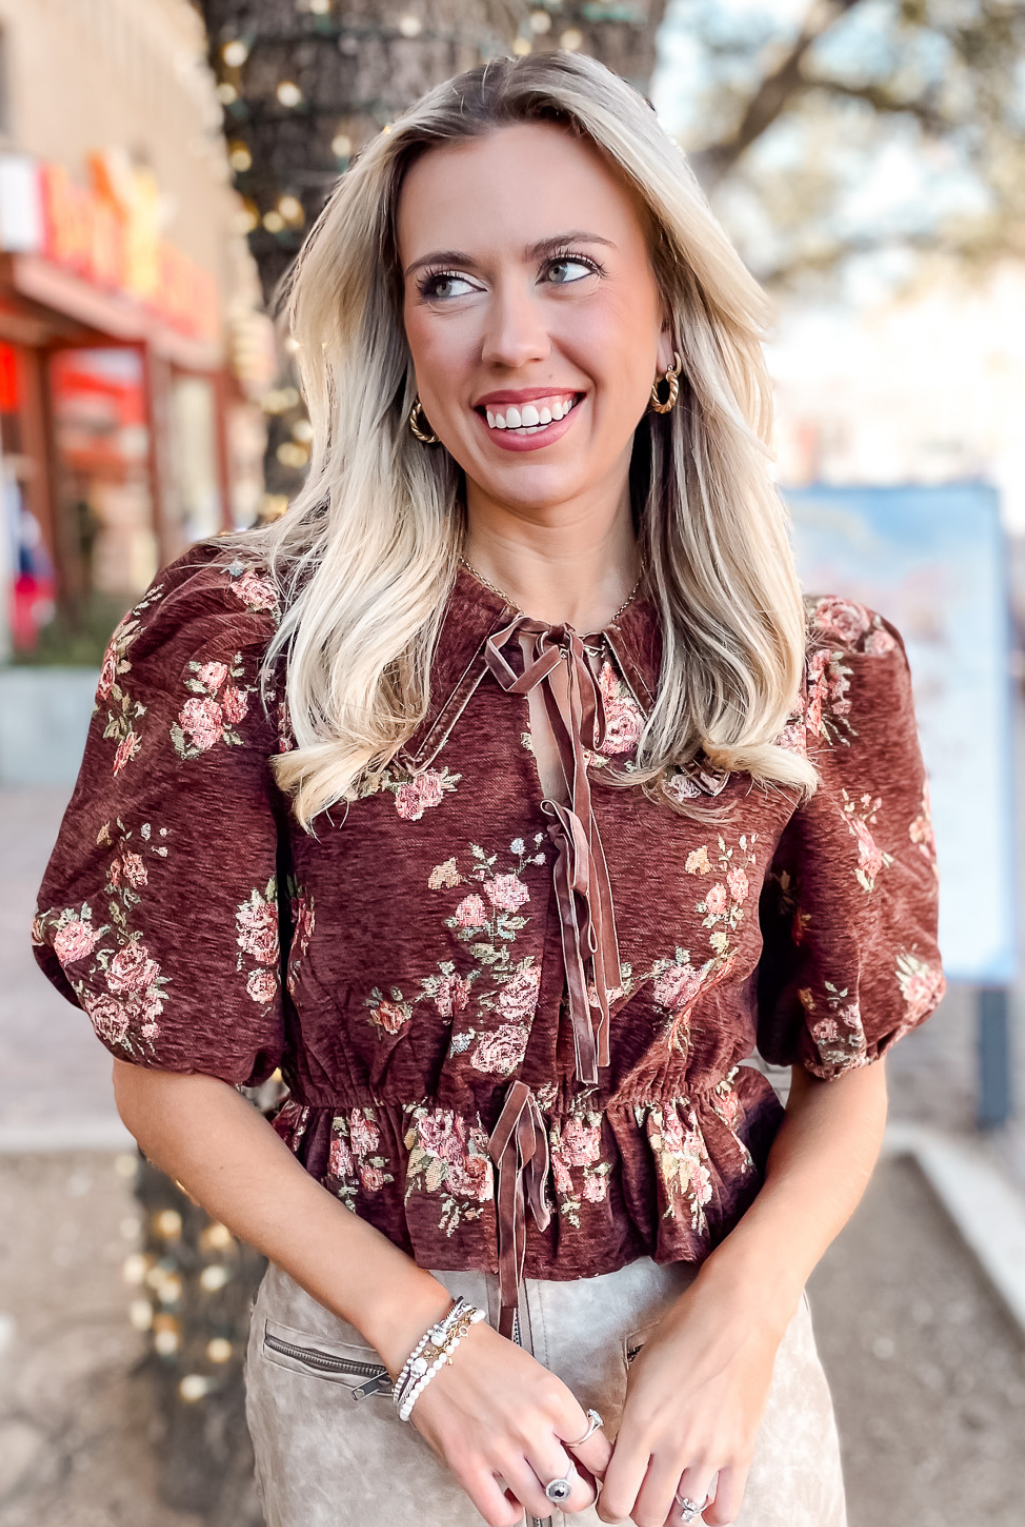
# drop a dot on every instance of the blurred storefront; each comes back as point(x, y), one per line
point(132, 352)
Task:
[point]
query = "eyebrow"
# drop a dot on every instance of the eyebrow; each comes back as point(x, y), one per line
point(531, 252)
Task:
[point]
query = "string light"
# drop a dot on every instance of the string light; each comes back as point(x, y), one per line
point(571, 39)
point(235, 53)
point(219, 1350)
point(410, 26)
point(226, 93)
point(291, 209)
point(288, 93)
point(213, 1278)
point(522, 46)
point(540, 22)
point(168, 1223)
point(341, 146)
point(240, 158)
point(216, 1237)
point(273, 221)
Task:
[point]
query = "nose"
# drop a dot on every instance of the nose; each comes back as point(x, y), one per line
point(515, 331)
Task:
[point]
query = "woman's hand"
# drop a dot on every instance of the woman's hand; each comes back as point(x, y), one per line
point(495, 1410)
point(695, 1396)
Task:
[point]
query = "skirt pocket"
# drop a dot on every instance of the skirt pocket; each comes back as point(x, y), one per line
point(355, 1366)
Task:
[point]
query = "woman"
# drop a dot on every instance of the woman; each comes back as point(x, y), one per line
point(567, 800)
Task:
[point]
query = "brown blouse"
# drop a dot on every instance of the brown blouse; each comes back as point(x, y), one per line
point(510, 1002)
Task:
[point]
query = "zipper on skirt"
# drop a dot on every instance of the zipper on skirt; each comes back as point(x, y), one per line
point(378, 1377)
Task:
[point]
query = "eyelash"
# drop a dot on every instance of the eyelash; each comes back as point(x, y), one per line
point(562, 257)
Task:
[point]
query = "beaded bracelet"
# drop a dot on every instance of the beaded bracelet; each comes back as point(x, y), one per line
point(432, 1351)
point(435, 1333)
point(435, 1342)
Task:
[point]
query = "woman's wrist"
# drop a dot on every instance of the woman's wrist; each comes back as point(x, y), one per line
point(752, 1286)
point(402, 1315)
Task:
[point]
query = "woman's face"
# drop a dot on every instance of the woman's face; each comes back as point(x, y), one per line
point(529, 287)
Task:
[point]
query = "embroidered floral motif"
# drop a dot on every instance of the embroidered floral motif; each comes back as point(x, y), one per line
point(849, 622)
point(922, 985)
point(290, 1122)
point(215, 709)
point(303, 923)
point(252, 589)
point(256, 923)
point(449, 1156)
point(123, 712)
point(623, 718)
point(354, 1157)
point(575, 1144)
point(126, 1011)
point(680, 1157)
point(726, 1104)
point(838, 1033)
point(921, 831)
point(413, 793)
point(871, 858)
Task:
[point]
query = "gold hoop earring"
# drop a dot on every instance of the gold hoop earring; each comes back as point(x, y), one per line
point(418, 408)
point(671, 376)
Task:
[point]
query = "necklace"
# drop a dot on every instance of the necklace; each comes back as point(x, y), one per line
point(503, 595)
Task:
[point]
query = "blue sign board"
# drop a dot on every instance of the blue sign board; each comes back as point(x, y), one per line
point(933, 561)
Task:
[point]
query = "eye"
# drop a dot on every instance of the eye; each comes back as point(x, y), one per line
point(428, 285)
point(589, 267)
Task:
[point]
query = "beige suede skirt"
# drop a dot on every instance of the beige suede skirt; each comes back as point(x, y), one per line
point(331, 1450)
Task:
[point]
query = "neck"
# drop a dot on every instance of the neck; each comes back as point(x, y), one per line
point(577, 569)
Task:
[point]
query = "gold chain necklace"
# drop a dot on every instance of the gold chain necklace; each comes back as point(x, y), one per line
point(503, 595)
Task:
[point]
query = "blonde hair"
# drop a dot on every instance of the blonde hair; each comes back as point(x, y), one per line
point(366, 554)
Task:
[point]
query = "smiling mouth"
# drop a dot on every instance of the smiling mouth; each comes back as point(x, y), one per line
point(525, 429)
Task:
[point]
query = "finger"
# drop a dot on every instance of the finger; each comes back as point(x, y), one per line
point(594, 1454)
point(729, 1496)
point(551, 1461)
point(498, 1506)
point(695, 1484)
point(623, 1478)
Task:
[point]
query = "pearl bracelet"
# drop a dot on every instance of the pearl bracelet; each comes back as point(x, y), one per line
point(432, 1351)
point(435, 1333)
point(435, 1343)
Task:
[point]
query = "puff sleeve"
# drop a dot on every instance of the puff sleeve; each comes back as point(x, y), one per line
point(158, 909)
point(849, 908)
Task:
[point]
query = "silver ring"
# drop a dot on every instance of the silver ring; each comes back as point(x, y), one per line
point(560, 1489)
point(688, 1508)
point(594, 1420)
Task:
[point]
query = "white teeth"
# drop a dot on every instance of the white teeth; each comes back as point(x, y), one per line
point(529, 416)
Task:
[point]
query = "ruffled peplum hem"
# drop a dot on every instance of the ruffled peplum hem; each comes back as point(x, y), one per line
point(667, 1178)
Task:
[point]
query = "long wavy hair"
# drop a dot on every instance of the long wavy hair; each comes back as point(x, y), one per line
point(365, 556)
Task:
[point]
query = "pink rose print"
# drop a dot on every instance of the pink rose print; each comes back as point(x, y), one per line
point(340, 1162)
point(212, 675)
point(131, 968)
point(452, 996)
point(870, 859)
point(736, 879)
point(843, 618)
point(408, 803)
point(561, 1175)
point(581, 1142)
point(923, 985)
point(715, 901)
point(127, 748)
point(595, 1187)
point(364, 1135)
point(236, 705)
point(471, 912)
point(501, 1052)
point(134, 870)
point(371, 1177)
point(108, 673)
point(506, 892)
point(258, 929)
point(623, 720)
point(676, 986)
point(74, 941)
point(389, 1016)
point(440, 1135)
point(109, 1018)
point(518, 998)
point(255, 592)
point(471, 1178)
point(203, 720)
point(262, 985)
point(879, 642)
point(431, 789)
point(697, 861)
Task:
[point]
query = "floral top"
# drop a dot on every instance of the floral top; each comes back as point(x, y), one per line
point(512, 1004)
